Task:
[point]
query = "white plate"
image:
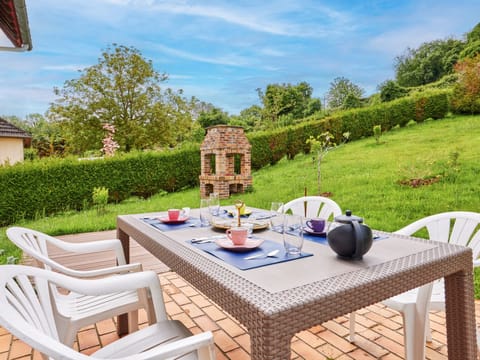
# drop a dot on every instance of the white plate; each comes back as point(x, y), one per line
point(249, 244)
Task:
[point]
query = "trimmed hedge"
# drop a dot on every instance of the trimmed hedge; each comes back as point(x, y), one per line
point(48, 186)
point(269, 147)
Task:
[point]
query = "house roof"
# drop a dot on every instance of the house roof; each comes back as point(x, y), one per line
point(14, 23)
point(11, 131)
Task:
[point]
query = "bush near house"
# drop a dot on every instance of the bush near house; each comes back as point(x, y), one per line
point(44, 187)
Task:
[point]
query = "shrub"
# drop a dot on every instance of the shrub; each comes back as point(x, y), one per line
point(377, 132)
point(53, 185)
point(100, 199)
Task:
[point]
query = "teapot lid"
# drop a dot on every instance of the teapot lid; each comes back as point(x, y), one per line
point(348, 218)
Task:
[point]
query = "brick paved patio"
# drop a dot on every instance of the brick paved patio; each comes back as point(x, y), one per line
point(379, 329)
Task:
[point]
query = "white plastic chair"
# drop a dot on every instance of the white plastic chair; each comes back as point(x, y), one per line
point(79, 310)
point(30, 314)
point(317, 206)
point(457, 227)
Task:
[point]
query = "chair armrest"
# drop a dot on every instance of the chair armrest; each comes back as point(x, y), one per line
point(113, 270)
point(115, 284)
point(95, 246)
point(177, 348)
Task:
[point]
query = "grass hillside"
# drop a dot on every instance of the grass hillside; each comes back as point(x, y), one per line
point(376, 181)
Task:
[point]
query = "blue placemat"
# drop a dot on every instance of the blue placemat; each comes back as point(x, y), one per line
point(156, 223)
point(322, 239)
point(237, 259)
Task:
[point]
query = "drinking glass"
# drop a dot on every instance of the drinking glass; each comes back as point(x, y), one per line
point(277, 218)
point(214, 204)
point(293, 234)
point(205, 215)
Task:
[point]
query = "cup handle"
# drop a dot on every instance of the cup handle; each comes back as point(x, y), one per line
point(309, 224)
point(229, 234)
point(185, 212)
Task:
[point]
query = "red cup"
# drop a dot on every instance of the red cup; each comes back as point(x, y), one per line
point(173, 214)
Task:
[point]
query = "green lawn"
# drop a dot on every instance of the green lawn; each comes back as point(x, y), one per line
point(362, 176)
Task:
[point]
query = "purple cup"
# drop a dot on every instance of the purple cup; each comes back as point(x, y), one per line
point(316, 224)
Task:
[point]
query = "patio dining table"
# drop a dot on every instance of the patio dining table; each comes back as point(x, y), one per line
point(280, 299)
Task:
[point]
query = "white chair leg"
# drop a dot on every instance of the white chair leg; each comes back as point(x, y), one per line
point(428, 330)
point(352, 327)
point(409, 332)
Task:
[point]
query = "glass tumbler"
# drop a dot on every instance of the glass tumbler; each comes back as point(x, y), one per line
point(277, 217)
point(205, 215)
point(214, 204)
point(293, 234)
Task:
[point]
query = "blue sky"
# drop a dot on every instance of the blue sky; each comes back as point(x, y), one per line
point(221, 51)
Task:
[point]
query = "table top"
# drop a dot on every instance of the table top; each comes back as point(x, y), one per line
point(312, 289)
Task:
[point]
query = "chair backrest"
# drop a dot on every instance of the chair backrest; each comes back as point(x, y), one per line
point(317, 206)
point(455, 227)
point(27, 309)
point(34, 243)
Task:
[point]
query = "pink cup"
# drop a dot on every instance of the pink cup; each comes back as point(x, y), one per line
point(238, 235)
point(173, 214)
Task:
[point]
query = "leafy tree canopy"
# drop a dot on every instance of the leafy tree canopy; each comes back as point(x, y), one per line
point(344, 94)
point(390, 90)
point(293, 101)
point(466, 92)
point(122, 90)
point(212, 117)
point(429, 63)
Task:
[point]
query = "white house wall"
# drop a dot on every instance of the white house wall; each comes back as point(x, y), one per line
point(11, 150)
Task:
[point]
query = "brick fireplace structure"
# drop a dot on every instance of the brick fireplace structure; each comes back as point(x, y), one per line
point(226, 161)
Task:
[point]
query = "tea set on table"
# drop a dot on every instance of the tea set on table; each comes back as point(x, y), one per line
point(346, 235)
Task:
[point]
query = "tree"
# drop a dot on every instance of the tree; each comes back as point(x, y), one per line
point(340, 90)
point(47, 139)
point(466, 92)
point(319, 148)
point(121, 90)
point(390, 90)
point(249, 118)
point(472, 47)
point(428, 63)
point(213, 117)
point(281, 101)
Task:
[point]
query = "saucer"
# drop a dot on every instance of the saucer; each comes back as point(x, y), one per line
point(312, 232)
point(225, 224)
point(249, 244)
point(167, 220)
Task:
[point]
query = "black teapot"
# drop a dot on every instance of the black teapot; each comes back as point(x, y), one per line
point(350, 239)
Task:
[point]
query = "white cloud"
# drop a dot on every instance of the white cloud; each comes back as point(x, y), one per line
point(230, 59)
point(66, 67)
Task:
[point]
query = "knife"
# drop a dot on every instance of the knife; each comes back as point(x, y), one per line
point(206, 239)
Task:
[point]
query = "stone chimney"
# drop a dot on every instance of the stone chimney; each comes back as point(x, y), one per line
point(226, 161)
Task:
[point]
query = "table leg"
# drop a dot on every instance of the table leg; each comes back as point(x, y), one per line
point(460, 315)
point(269, 344)
point(122, 320)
